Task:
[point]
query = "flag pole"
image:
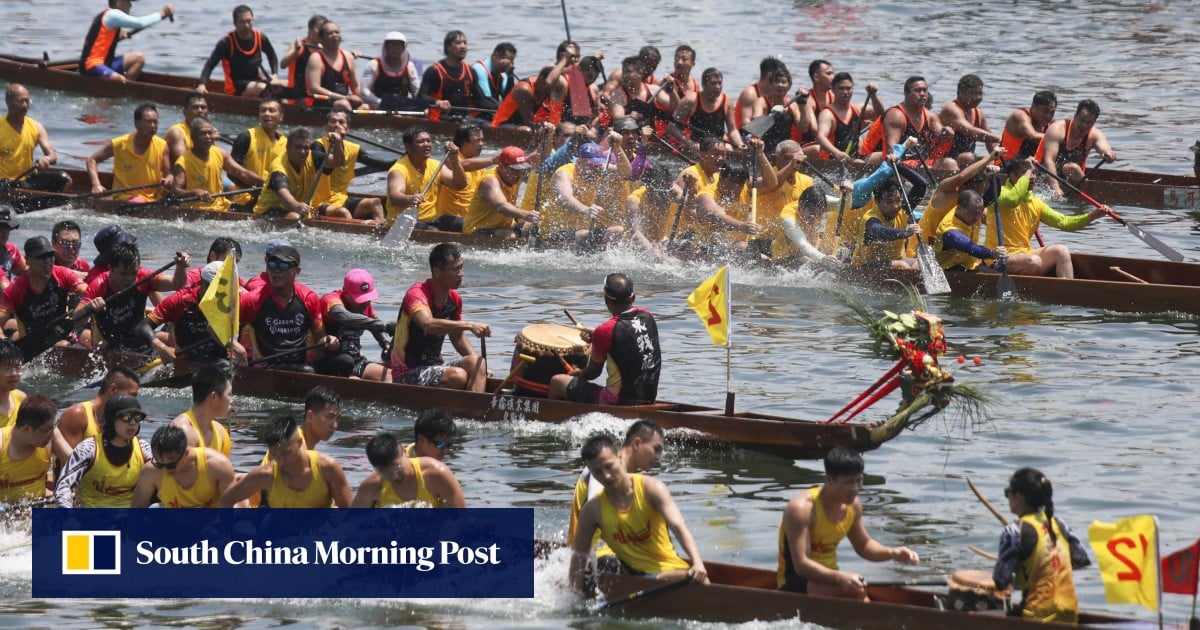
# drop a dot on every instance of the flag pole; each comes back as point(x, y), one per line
point(729, 396)
point(1158, 565)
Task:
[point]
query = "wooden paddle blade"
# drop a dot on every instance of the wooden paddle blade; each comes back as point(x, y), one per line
point(581, 102)
point(401, 230)
point(1151, 240)
point(932, 275)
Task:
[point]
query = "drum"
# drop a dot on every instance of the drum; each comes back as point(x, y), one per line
point(972, 590)
point(551, 345)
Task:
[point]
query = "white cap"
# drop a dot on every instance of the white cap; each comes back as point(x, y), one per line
point(210, 271)
point(395, 36)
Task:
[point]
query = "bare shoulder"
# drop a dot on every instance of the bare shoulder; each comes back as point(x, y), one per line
point(217, 461)
point(329, 464)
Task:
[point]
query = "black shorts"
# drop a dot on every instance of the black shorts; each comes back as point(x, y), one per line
point(240, 86)
point(581, 391)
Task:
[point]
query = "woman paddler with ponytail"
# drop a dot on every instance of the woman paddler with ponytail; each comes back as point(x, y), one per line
point(1038, 551)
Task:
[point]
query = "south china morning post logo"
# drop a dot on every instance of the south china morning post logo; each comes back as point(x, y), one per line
point(91, 552)
point(329, 553)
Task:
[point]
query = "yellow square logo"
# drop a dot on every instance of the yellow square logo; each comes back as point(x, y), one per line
point(91, 552)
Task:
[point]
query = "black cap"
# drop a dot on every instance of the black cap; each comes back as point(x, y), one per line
point(6, 218)
point(107, 238)
point(286, 253)
point(122, 405)
point(38, 246)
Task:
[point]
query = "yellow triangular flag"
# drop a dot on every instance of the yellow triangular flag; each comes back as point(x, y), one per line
point(220, 302)
point(1127, 554)
point(711, 303)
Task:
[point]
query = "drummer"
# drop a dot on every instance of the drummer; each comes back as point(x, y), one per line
point(431, 310)
point(1038, 551)
point(628, 343)
point(813, 524)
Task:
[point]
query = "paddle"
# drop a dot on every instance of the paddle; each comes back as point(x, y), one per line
point(593, 240)
point(402, 228)
point(566, 24)
point(1148, 239)
point(1095, 168)
point(650, 590)
point(764, 123)
point(982, 553)
point(375, 144)
point(679, 154)
point(179, 354)
point(277, 355)
point(932, 274)
point(522, 359)
point(5, 184)
point(175, 201)
point(24, 505)
point(1006, 289)
point(855, 126)
point(913, 582)
point(687, 196)
point(925, 167)
point(41, 339)
point(50, 200)
point(988, 504)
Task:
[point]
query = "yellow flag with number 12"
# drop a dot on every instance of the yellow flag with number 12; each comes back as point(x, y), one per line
point(220, 302)
point(1127, 554)
point(711, 302)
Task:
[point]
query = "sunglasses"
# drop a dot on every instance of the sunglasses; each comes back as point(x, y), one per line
point(131, 419)
point(275, 264)
point(69, 245)
point(443, 445)
point(167, 466)
point(1008, 492)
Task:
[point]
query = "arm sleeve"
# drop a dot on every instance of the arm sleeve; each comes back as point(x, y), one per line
point(918, 185)
point(1009, 556)
point(370, 73)
point(1079, 556)
point(955, 239)
point(640, 163)
point(989, 195)
point(481, 82)
point(1065, 222)
point(79, 463)
point(220, 51)
point(277, 181)
point(1011, 196)
point(864, 187)
point(272, 58)
point(794, 234)
point(876, 232)
point(241, 146)
point(561, 156)
point(355, 321)
point(121, 19)
point(430, 82)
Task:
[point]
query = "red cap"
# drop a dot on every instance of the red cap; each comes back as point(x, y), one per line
point(514, 157)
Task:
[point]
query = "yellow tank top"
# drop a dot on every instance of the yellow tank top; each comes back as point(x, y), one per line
point(851, 220)
point(482, 216)
point(333, 189)
point(639, 534)
point(202, 493)
point(771, 205)
point(264, 151)
point(15, 397)
point(1018, 224)
point(411, 450)
point(948, 258)
point(557, 218)
point(824, 534)
point(314, 495)
point(424, 498)
point(131, 168)
point(220, 435)
point(93, 428)
point(529, 197)
point(1045, 576)
point(708, 233)
point(457, 202)
point(880, 252)
point(187, 134)
point(782, 248)
point(930, 220)
point(108, 485)
point(299, 183)
point(656, 222)
point(16, 147)
point(414, 183)
point(205, 175)
point(23, 479)
point(578, 500)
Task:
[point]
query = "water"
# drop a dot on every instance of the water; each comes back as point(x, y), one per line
point(1099, 401)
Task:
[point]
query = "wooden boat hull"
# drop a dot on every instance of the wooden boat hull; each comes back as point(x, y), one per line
point(172, 89)
point(1171, 286)
point(738, 594)
point(788, 437)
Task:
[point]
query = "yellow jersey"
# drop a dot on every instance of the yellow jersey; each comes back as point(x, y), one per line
point(24, 478)
point(638, 535)
point(204, 174)
point(201, 494)
point(16, 147)
point(131, 168)
point(482, 216)
point(315, 495)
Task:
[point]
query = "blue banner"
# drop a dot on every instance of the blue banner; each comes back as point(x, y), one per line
point(325, 553)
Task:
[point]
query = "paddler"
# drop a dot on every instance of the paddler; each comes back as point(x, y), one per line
point(750, 102)
point(212, 398)
point(82, 420)
point(295, 59)
point(1025, 127)
point(448, 82)
point(711, 112)
point(67, 238)
point(42, 293)
point(257, 148)
point(291, 179)
point(410, 176)
point(1021, 213)
point(493, 211)
point(790, 184)
point(974, 176)
point(1038, 551)
point(495, 77)
point(10, 377)
point(641, 451)
point(907, 119)
point(588, 192)
point(390, 81)
point(453, 203)
point(322, 410)
point(840, 123)
point(726, 207)
point(884, 229)
point(25, 453)
point(103, 470)
point(330, 71)
point(110, 26)
point(627, 343)
point(240, 53)
point(634, 515)
point(341, 165)
point(19, 134)
point(179, 135)
point(294, 477)
point(403, 481)
point(1067, 144)
point(432, 310)
point(956, 238)
point(815, 522)
point(348, 313)
point(139, 159)
point(433, 434)
point(968, 122)
point(197, 173)
point(115, 320)
point(281, 316)
point(182, 475)
point(188, 325)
